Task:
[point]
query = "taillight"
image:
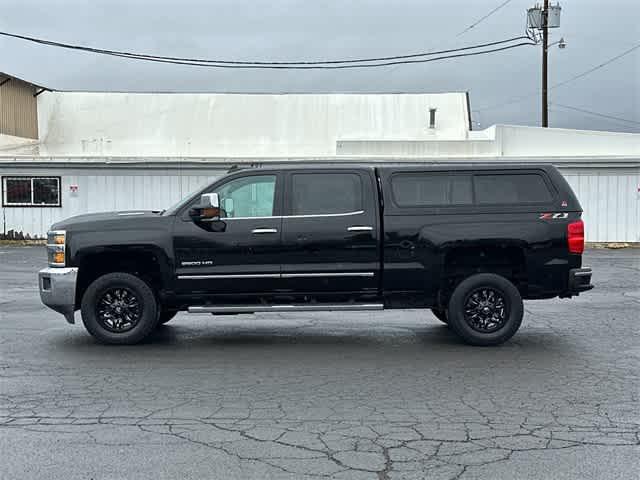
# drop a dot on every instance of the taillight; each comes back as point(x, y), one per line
point(575, 236)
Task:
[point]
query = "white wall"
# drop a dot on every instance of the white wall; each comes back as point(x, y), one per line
point(241, 125)
point(101, 190)
point(611, 203)
point(504, 141)
point(517, 141)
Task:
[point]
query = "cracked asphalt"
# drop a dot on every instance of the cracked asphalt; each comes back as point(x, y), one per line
point(371, 395)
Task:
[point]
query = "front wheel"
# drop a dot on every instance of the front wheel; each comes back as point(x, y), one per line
point(485, 309)
point(119, 308)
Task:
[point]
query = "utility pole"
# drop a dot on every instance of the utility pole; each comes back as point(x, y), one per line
point(542, 18)
point(545, 55)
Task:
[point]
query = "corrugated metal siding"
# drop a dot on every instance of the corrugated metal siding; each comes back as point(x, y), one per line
point(18, 109)
point(609, 195)
point(100, 191)
point(611, 203)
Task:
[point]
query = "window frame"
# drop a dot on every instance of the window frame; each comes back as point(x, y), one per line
point(183, 210)
point(249, 183)
point(393, 209)
point(6, 204)
point(468, 175)
point(550, 189)
point(288, 208)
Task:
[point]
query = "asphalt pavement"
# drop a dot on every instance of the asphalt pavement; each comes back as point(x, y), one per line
point(371, 395)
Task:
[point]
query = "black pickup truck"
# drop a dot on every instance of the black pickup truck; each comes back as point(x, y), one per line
point(470, 242)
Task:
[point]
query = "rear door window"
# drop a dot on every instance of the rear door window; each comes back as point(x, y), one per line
point(429, 190)
point(325, 193)
point(501, 189)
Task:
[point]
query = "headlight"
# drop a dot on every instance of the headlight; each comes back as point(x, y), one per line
point(56, 242)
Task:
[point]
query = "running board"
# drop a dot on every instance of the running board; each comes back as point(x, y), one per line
point(352, 307)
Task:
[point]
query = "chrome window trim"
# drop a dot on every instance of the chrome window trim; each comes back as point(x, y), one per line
point(321, 215)
point(316, 215)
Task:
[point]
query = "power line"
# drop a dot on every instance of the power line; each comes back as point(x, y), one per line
point(597, 114)
point(319, 64)
point(325, 67)
point(482, 19)
point(512, 100)
point(520, 98)
point(597, 67)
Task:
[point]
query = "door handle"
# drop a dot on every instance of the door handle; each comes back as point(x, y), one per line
point(256, 231)
point(359, 228)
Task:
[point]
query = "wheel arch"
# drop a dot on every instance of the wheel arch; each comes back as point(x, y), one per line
point(506, 259)
point(148, 262)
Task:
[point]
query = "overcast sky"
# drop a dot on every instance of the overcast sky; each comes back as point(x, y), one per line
point(595, 31)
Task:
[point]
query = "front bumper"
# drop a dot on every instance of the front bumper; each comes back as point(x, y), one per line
point(58, 290)
point(579, 280)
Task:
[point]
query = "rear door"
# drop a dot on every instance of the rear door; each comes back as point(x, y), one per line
point(330, 232)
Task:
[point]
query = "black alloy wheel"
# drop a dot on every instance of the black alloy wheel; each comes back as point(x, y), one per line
point(118, 310)
point(485, 310)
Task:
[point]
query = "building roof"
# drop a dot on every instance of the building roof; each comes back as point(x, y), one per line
point(4, 76)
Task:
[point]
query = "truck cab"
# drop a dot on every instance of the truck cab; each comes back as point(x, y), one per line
point(468, 242)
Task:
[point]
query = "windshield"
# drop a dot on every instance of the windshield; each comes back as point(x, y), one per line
point(173, 209)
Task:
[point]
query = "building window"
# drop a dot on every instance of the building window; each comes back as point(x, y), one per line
point(31, 192)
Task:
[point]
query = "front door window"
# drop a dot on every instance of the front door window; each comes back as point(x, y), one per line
point(248, 197)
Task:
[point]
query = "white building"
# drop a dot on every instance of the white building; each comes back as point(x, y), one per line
point(82, 152)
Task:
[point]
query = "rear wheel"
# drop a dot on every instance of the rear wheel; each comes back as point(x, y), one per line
point(440, 314)
point(485, 309)
point(119, 308)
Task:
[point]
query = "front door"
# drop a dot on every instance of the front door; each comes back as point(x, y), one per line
point(330, 232)
point(240, 253)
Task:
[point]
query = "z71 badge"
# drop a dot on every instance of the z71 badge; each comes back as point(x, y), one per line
point(553, 216)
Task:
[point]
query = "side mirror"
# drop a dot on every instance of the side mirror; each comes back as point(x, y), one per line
point(208, 210)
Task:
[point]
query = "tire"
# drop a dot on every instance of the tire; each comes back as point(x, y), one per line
point(468, 314)
point(440, 314)
point(166, 316)
point(119, 309)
